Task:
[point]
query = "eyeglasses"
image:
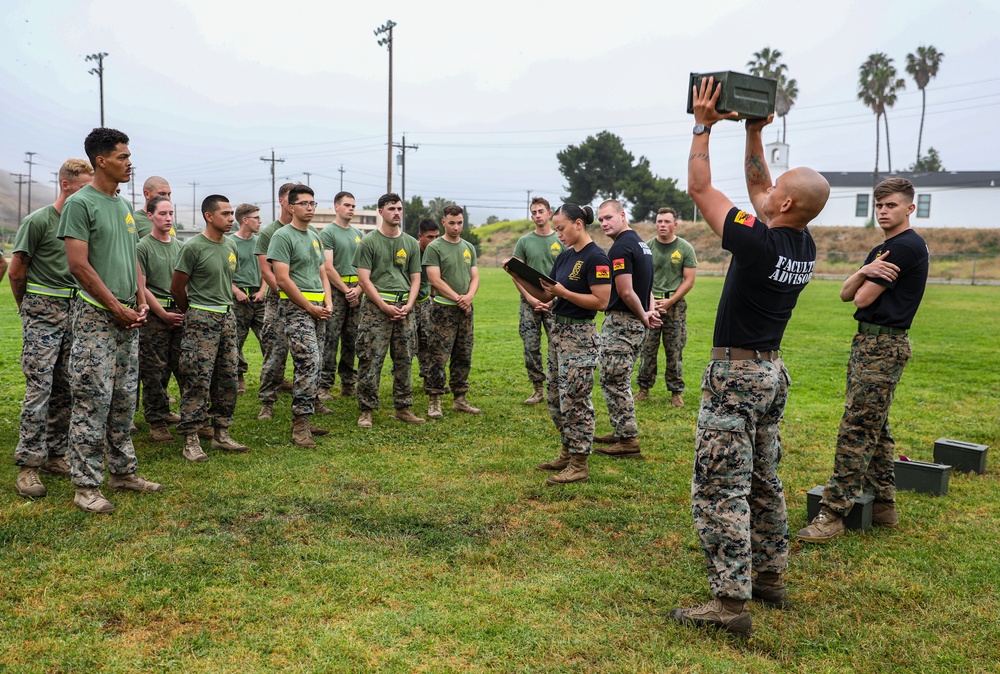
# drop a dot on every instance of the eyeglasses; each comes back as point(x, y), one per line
point(307, 204)
point(253, 217)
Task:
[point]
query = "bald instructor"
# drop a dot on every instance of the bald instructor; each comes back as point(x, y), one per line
point(155, 186)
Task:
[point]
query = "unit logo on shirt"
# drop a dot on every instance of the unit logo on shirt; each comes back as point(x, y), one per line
point(400, 258)
point(232, 261)
point(744, 218)
point(575, 274)
point(129, 223)
point(555, 249)
point(676, 257)
point(468, 257)
point(618, 264)
point(602, 271)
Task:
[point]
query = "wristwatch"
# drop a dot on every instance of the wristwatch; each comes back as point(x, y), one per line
point(701, 128)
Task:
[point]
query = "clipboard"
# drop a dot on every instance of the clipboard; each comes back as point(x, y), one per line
point(529, 274)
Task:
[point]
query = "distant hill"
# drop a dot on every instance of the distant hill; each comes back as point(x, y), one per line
point(41, 194)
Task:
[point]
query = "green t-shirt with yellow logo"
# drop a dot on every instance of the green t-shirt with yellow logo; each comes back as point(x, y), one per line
point(107, 225)
point(344, 242)
point(36, 238)
point(210, 266)
point(669, 261)
point(539, 252)
point(143, 223)
point(247, 270)
point(302, 251)
point(455, 260)
point(390, 261)
point(157, 261)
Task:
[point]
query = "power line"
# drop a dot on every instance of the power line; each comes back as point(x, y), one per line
point(273, 186)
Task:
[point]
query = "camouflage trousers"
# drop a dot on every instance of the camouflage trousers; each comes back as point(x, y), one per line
point(530, 324)
point(423, 313)
point(452, 337)
point(208, 370)
point(159, 355)
point(305, 336)
point(622, 336)
point(573, 353)
point(737, 498)
point(342, 331)
point(47, 324)
point(104, 379)
point(249, 316)
point(274, 345)
point(865, 448)
point(673, 334)
point(377, 335)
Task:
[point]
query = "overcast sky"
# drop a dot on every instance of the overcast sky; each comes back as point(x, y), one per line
point(489, 91)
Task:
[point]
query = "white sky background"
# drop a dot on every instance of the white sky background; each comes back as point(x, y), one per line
point(489, 91)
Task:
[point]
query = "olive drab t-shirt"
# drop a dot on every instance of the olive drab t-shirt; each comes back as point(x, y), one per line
point(264, 237)
point(247, 270)
point(302, 251)
point(577, 272)
point(344, 242)
point(455, 261)
point(143, 223)
point(157, 260)
point(107, 225)
point(669, 262)
point(539, 252)
point(211, 267)
point(390, 261)
point(36, 238)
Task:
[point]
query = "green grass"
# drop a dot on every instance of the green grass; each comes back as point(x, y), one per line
point(437, 548)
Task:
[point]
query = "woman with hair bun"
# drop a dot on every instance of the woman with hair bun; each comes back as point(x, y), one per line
point(582, 275)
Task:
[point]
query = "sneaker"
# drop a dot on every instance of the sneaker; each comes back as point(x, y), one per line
point(192, 449)
point(642, 395)
point(224, 442)
point(92, 501)
point(730, 615)
point(824, 527)
point(56, 465)
point(325, 395)
point(173, 418)
point(206, 432)
point(677, 399)
point(266, 411)
point(884, 514)
point(28, 485)
point(626, 448)
point(132, 482)
point(404, 414)
point(320, 408)
point(365, 420)
point(160, 433)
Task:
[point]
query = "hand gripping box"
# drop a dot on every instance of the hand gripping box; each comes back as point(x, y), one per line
point(751, 96)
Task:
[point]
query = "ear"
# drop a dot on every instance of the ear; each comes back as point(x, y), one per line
point(786, 205)
point(912, 207)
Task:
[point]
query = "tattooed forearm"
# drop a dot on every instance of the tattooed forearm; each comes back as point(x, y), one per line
point(698, 155)
point(756, 170)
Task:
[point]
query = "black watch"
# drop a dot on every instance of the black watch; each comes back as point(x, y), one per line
point(701, 128)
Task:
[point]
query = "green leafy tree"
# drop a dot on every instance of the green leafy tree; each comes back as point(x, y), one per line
point(436, 208)
point(647, 193)
point(767, 63)
point(922, 67)
point(414, 211)
point(877, 88)
point(929, 163)
point(492, 220)
point(599, 166)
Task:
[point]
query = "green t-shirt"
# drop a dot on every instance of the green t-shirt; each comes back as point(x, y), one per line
point(211, 267)
point(302, 251)
point(107, 225)
point(343, 241)
point(390, 261)
point(247, 270)
point(36, 237)
point(455, 260)
point(157, 261)
point(143, 223)
point(264, 237)
point(539, 252)
point(669, 262)
point(425, 283)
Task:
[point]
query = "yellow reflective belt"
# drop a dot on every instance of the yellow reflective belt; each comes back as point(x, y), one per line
point(36, 289)
point(214, 308)
point(312, 297)
point(349, 279)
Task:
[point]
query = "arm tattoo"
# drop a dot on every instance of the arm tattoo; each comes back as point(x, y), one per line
point(756, 170)
point(698, 155)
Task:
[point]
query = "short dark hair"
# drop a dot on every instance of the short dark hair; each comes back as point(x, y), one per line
point(283, 190)
point(243, 210)
point(154, 202)
point(452, 210)
point(894, 186)
point(574, 212)
point(389, 198)
point(540, 200)
point(211, 203)
point(428, 225)
point(296, 190)
point(341, 196)
point(101, 142)
point(667, 209)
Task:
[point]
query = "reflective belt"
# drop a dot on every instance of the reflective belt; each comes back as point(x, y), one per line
point(166, 302)
point(440, 299)
point(214, 308)
point(394, 297)
point(349, 279)
point(423, 300)
point(664, 296)
point(130, 303)
point(36, 289)
point(312, 297)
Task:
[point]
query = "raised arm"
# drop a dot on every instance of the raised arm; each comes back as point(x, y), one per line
point(713, 204)
point(757, 176)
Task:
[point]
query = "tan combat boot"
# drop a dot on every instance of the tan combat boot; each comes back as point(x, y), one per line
point(192, 449)
point(538, 396)
point(575, 471)
point(625, 448)
point(206, 432)
point(365, 420)
point(884, 514)
point(826, 526)
point(609, 439)
point(769, 589)
point(348, 390)
point(221, 440)
point(28, 484)
point(266, 411)
point(56, 465)
point(92, 500)
point(404, 414)
point(325, 395)
point(317, 431)
point(241, 386)
point(434, 407)
point(132, 482)
point(463, 405)
point(557, 463)
point(320, 408)
point(286, 386)
point(160, 433)
point(677, 399)
point(173, 418)
point(731, 615)
point(300, 433)
point(642, 395)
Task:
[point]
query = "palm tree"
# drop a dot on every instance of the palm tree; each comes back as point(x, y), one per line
point(767, 63)
point(877, 87)
point(923, 66)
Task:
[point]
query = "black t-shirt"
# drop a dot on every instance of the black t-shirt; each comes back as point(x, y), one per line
point(770, 267)
point(898, 303)
point(629, 254)
point(577, 272)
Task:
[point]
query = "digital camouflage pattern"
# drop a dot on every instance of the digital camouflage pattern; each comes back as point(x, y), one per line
point(305, 335)
point(274, 346)
point(673, 334)
point(208, 370)
point(249, 316)
point(159, 355)
point(452, 338)
point(865, 448)
point(422, 316)
point(342, 332)
point(47, 324)
point(381, 335)
point(573, 353)
point(622, 337)
point(737, 498)
point(104, 380)
point(529, 326)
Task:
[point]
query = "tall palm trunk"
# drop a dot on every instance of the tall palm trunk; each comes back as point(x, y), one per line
point(888, 150)
point(923, 108)
point(875, 172)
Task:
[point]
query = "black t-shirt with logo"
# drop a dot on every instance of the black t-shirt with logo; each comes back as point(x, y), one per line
point(898, 303)
point(629, 254)
point(577, 272)
point(770, 267)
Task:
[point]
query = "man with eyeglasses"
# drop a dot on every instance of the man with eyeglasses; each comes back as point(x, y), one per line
point(296, 254)
point(248, 285)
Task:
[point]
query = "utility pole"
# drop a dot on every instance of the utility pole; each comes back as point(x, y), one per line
point(307, 174)
point(132, 181)
point(402, 162)
point(99, 71)
point(341, 169)
point(529, 202)
point(30, 161)
point(273, 187)
point(20, 181)
point(386, 28)
point(194, 205)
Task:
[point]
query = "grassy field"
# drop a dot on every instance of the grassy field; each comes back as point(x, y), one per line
point(437, 548)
